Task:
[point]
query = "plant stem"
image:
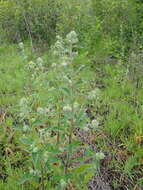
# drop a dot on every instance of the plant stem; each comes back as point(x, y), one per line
point(42, 178)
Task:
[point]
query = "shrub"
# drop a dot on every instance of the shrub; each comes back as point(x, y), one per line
point(34, 20)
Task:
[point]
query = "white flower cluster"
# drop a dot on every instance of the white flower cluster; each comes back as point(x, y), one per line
point(66, 79)
point(44, 134)
point(72, 37)
point(63, 48)
point(94, 94)
point(35, 67)
point(21, 46)
point(58, 49)
point(94, 123)
point(26, 128)
point(76, 105)
point(42, 111)
point(23, 101)
point(63, 183)
point(24, 108)
point(39, 62)
point(34, 172)
point(99, 156)
point(67, 108)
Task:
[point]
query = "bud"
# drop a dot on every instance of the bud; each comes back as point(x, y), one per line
point(21, 45)
point(63, 183)
point(31, 65)
point(76, 105)
point(67, 108)
point(94, 94)
point(23, 101)
point(54, 64)
point(39, 61)
point(72, 37)
point(35, 149)
point(99, 156)
point(94, 123)
point(64, 63)
point(40, 110)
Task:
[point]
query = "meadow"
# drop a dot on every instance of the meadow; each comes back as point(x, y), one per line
point(71, 102)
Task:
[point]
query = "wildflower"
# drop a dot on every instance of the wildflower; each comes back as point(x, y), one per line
point(33, 75)
point(94, 123)
point(59, 45)
point(85, 128)
point(25, 128)
point(64, 63)
point(39, 61)
point(46, 156)
point(59, 38)
point(21, 45)
point(65, 77)
point(63, 183)
point(23, 101)
point(70, 82)
point(54, 64)
point(33, 119)
point(94, 94)
point(35, 149)
point(34, 172)
point(47, 110)
point(99, 155)
point(76, 105)
point(72, 37)
point(75, 53)
point(40, 110)
point(31, 65)
point(61, 149)
point(67, 108)
point(52, 88)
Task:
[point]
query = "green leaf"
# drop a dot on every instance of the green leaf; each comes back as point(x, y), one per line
point(83, 168)
point(66, 91)
point(37, 123)
point(26, 177)
point(36, 156)
point(88, 176)
point(27, 141)
point(18, 127)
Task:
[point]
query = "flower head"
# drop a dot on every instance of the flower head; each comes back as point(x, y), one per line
point(23, 101)
point(63, 183)
point(72, 37)
point(31, 65)
point(94, 94)
point(21, 45)
point(40, 110)
point(94, 123)
point(67, 108)
point(40, 62)
point(99, 156)
point(64, 63)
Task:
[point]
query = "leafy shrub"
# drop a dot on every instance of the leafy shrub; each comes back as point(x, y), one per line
point(35, 20)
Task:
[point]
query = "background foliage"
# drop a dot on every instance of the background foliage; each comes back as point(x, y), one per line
point(100, 22)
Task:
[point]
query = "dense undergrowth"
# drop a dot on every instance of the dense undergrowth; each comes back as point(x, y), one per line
point(46, 101)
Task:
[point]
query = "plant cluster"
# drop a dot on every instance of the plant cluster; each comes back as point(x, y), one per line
point(49, 128)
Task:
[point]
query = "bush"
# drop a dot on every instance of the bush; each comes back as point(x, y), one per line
point(34, 20)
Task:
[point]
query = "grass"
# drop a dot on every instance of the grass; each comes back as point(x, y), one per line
point(119, 110)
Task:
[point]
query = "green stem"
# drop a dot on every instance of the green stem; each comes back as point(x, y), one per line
point(42, 178)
